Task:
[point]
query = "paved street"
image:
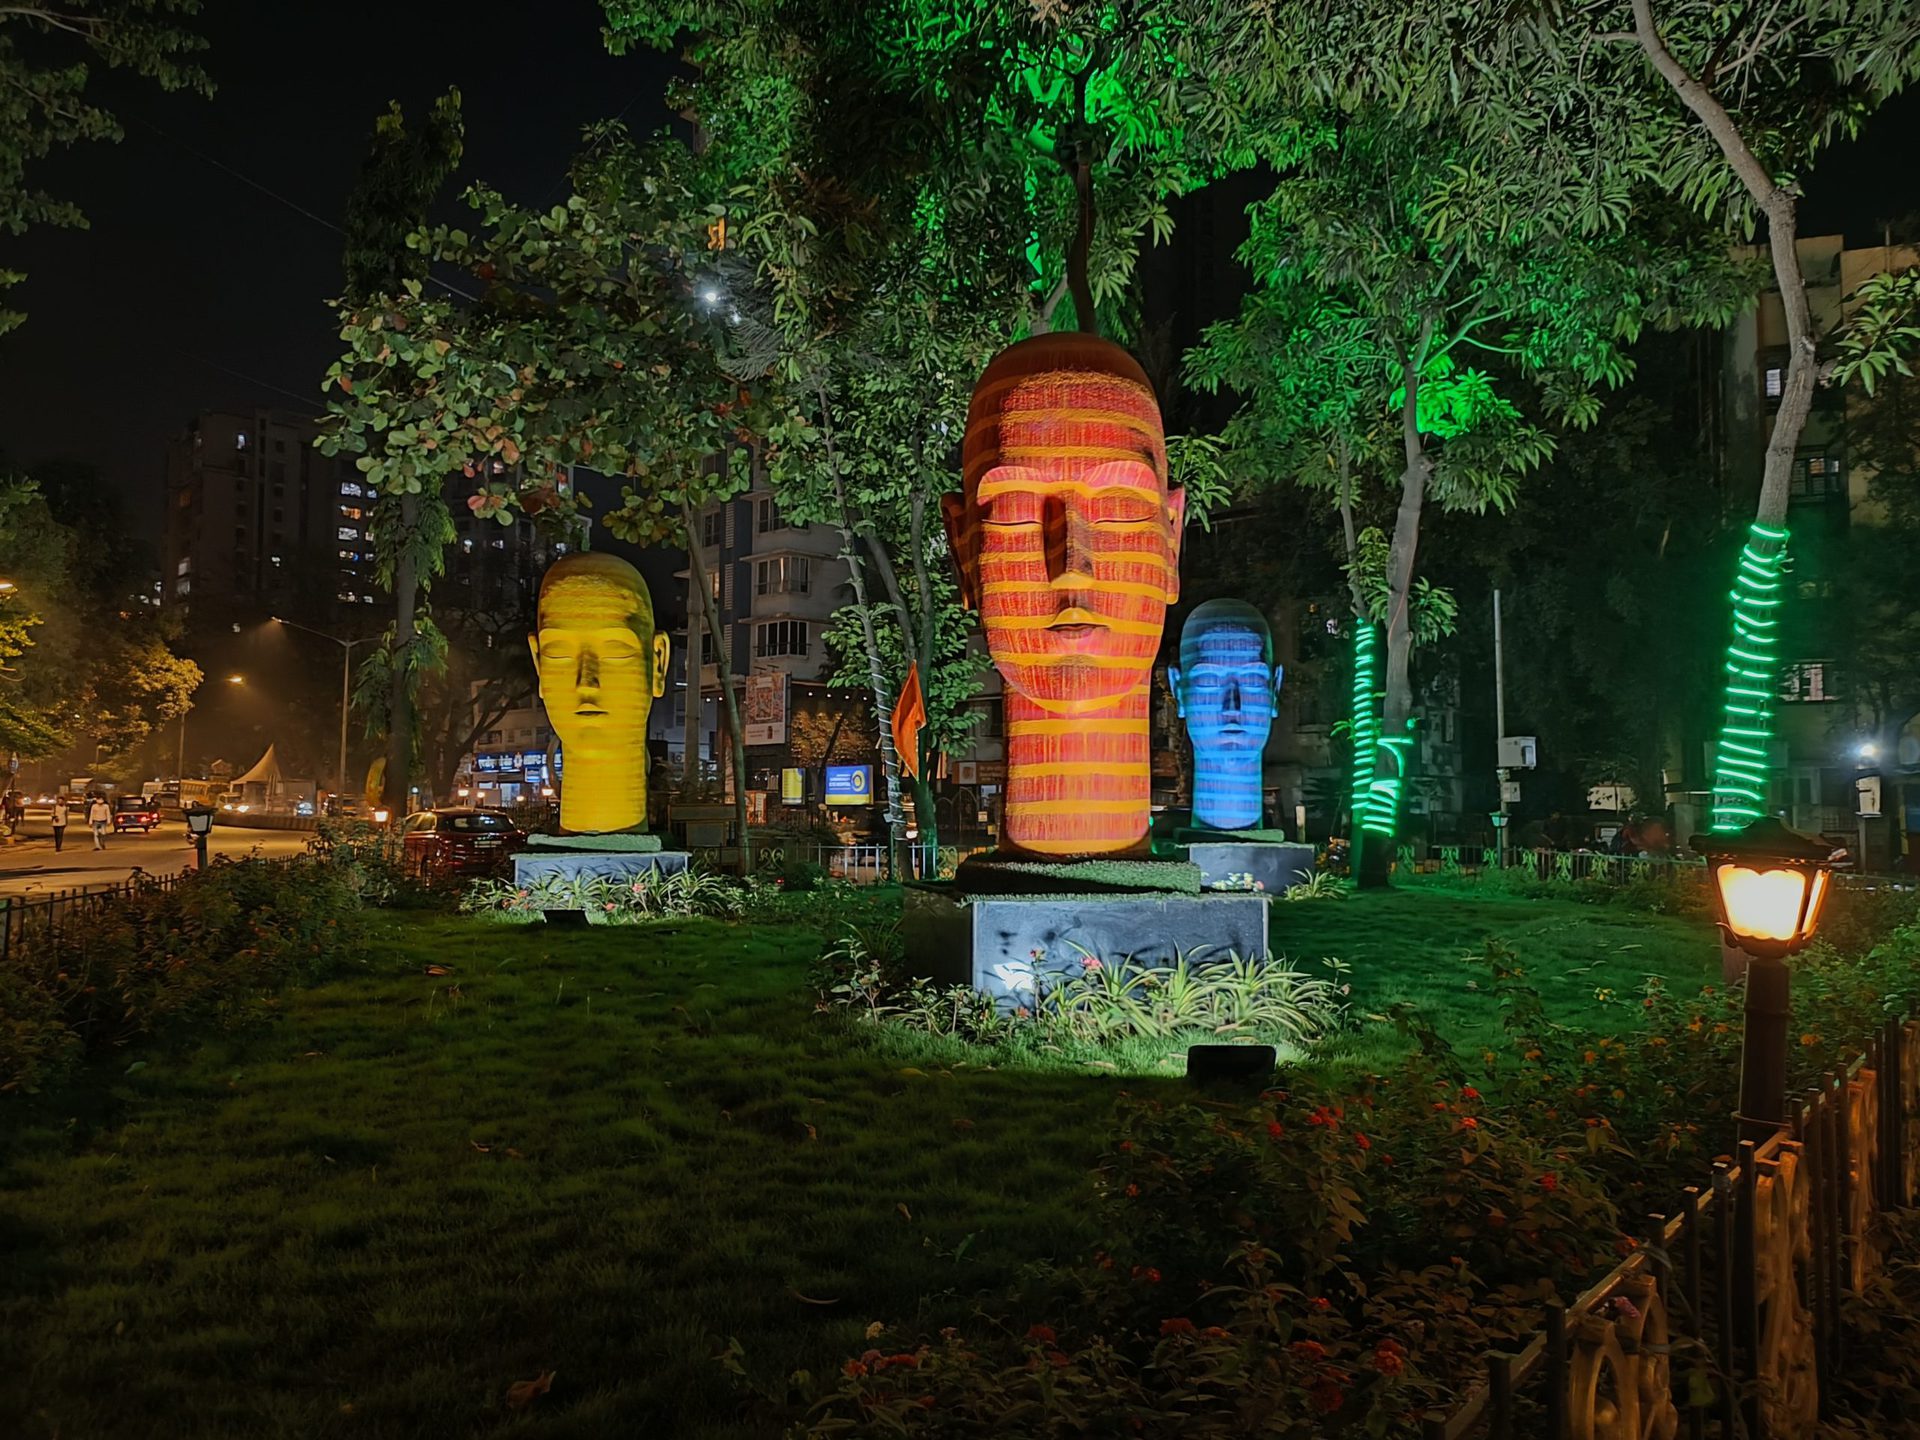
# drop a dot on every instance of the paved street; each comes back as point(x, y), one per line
point(31, 865)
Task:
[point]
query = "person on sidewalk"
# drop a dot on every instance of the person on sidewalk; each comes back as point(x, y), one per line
point(99, 817)
point(59, 822)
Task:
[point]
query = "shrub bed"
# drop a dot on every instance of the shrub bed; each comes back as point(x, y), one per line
point(1324, 1262)
point(213, 946)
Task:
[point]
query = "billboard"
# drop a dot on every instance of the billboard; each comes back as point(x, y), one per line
point(849, 784)
point(793, 787)
point(765, 721)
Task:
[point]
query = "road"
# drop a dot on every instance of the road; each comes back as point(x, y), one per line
point(31, 865)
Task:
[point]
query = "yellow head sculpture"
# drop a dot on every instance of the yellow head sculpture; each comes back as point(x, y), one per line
point(600, 664)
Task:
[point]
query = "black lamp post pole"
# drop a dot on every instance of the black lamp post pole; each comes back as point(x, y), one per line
point(1763, 1048)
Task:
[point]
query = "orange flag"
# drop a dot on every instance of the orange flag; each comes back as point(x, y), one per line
point(909, 716)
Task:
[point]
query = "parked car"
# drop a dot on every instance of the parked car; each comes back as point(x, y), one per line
point(135, 812)
point(459, 840)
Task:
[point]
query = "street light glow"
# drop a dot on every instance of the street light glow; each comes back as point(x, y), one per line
point(236, 679)
point(1866, 750)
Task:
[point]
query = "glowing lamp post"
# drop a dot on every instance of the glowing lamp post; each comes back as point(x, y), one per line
point(1769, 883)
point(199, 826)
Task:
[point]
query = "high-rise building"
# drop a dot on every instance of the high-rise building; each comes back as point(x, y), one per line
point(259, 522)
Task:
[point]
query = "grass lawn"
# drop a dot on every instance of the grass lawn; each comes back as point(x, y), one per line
point(601, 1153)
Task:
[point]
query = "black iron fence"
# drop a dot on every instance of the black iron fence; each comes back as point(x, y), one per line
point(1743, 1282)
point(1473, 862)
point(859, 864)
point(46, 914)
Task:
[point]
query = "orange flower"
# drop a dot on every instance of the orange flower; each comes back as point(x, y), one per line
point(1179, 1325)
point(1043, 1334)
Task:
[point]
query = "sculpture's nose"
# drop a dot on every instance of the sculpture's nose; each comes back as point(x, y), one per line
point(587, 676)
point(1230, 698)
point(1069, 536)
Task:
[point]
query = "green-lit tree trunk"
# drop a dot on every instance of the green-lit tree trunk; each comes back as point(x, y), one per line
point(1396, 711)
point(1742, 765)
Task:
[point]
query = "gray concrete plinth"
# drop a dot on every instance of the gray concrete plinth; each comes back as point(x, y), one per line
point(533, 866)
point(1273, 866)
point(1006, 945)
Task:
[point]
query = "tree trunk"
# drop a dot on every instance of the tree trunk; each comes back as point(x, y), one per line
point(1364, 722)
point(1397, 708)
point(696, 710)
point(730, 702)
point(398, 782)
point(916, 639)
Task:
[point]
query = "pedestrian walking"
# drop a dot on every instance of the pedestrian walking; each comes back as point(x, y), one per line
point(59, 822)
point(99, 817)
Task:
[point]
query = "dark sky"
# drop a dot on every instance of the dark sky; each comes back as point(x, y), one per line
point(193, 289)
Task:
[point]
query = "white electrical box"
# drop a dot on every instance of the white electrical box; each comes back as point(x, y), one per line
point(1510, 792)
point(1519, 752)
point(1866, 797)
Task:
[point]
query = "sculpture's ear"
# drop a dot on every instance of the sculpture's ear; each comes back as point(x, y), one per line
point(1279, 674)
point(662, 648)
point(1173, 684)
point(965, 540)
point(1177, 512)
point(533, 646)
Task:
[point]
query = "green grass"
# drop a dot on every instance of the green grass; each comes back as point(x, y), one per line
point(1422, 946)
point(599, 1152)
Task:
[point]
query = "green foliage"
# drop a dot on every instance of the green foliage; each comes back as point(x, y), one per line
point(1322, 885)
point(77, 657)
point(215, 946)
point(608, 899)
point(1435, 610)
point(47, 57)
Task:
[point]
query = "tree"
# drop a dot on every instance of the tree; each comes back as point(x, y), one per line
point(47, 51)
point(77, 664)
point(1362, 341)
point(409, 525)
point(487, 672)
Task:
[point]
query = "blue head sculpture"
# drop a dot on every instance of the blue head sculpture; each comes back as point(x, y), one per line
point(1225, 687)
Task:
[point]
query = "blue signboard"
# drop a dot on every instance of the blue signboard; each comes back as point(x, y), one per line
point(534, 759)
point(849, 784)
point(485, 764)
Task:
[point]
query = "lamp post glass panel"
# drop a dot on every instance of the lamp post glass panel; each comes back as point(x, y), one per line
point(1770, 884)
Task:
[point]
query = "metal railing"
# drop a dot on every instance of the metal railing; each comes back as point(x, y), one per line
point(1472, 862)
point(1744, 1282)
point(47, 914)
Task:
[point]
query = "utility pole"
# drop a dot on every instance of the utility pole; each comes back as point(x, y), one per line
point(1500, 722)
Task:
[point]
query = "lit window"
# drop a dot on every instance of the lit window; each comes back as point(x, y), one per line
point(1775, 382)
point(781, 637)
point(276, 559)
point(783, 575)
point(239, 439)
point(347, 532)
point(186, 564)
point(500, 544)
point(352, 512)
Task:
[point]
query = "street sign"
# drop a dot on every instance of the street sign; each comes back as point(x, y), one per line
point(849, 784)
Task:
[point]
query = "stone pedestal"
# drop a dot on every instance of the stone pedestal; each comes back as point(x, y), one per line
point(1273, 866)
point(1005, 945)
point(530, 867)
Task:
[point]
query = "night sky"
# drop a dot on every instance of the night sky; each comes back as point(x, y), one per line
point(193, 289)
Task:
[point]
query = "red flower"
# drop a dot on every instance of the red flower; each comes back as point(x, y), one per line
point(854, 1369)
point(1320, 1302)
point(1126, 1144)
point(1308, 1350)
point(1440, 1105)
point(1362, 1141)
point(1057, 1360)
point(1132, 1191)
point(1179, 1325)
point(1388, 1361)
point(1042, 1334)
point(1146, 1273)
point(1467, 1122)
point(1275, 1129)
point(1549, 1181)
point(1327, 1397)
point(1467, 1092)
point(925, 1402)
point(904, 1361)
point(1216, 1332)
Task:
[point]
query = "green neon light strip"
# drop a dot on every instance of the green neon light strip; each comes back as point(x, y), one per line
point(1753, 662)
point(1366, 716)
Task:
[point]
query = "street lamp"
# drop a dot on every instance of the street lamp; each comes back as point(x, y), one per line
point(346, 685)
point(180, 764)
point(1770, 884)
point(199, 824)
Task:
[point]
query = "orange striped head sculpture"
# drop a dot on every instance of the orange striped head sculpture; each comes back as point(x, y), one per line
point(1068, 543)
point(601, 664)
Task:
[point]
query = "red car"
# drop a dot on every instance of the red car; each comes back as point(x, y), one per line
point(130, 811)
point(459, 840)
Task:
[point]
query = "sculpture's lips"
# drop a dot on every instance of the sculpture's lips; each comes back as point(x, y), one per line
point(588, 710)
point(1073, 621)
